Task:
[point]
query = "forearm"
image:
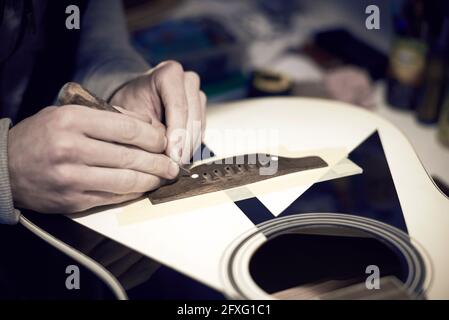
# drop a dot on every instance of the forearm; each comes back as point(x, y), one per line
point(106, 60)
point(8, 215)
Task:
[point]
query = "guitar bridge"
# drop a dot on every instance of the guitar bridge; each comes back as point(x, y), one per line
point(223, 174)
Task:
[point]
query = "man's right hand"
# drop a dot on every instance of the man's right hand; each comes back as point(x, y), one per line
point(72, 158)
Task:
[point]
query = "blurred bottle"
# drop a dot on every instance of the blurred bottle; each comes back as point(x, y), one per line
point(408, 54)
point(443, 125)
point(433, 89)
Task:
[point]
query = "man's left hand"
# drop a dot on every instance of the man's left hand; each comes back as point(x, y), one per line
point(168, 95)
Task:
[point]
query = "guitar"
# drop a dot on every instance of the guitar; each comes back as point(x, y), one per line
point(372, 178)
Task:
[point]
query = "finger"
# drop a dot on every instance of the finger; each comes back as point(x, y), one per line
point(192, 87)
point(118, 181)
point(144, 118)
point(158, 125)
point(120, 128)
point(203, 99)
point(169, 81)
point(96, 153)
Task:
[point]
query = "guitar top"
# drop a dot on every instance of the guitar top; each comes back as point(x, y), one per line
point(394, 188)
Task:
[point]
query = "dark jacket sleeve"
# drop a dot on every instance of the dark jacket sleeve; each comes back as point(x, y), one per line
point(105, 58)
point(105, 61)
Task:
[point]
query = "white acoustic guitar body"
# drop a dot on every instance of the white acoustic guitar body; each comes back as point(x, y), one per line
point(191, 235)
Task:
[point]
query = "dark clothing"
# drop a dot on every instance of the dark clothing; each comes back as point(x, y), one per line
point(39, 54)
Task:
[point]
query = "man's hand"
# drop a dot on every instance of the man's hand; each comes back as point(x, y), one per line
point(170, 95)
point(72, 158)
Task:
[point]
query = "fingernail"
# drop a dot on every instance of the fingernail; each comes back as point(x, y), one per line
point(165, 143)
point(173, 169)
point(176, 153)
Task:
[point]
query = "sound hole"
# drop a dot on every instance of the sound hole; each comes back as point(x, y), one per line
point(313, 261)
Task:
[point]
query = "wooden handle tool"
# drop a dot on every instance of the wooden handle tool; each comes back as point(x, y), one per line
point(74, 93)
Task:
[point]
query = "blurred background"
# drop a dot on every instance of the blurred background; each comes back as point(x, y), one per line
point(396, 66)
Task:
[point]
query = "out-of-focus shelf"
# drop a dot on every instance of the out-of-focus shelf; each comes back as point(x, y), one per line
point(271, 54)
point(434, 156)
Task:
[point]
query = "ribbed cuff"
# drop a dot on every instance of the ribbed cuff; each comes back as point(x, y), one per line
point(8, 215)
